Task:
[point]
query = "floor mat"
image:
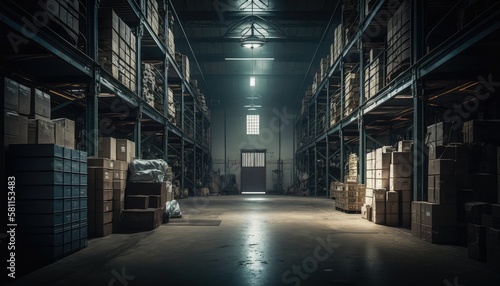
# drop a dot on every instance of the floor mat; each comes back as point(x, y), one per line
point(195, 222)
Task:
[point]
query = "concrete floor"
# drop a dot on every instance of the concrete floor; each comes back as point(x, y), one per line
point(265, 240)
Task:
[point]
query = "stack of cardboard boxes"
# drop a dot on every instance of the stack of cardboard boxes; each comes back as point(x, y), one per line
point(16, 106)
point(373, 74)
point(149, 85)
point(152, 16)
point(389, 185)
point(334, 109)
point(117, 48)
point(183, 62)
point(107, 183)
point(324, 65)
point(351, 92)
point(336, 48)
point(350, 196)
point(316, 82)
point(144, 205)
point(399, 41)
point(51, 205)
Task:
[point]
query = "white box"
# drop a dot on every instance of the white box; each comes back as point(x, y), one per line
point(400, 184)
point(382, 174)
point(405, 145)
point(401, 158)
point(400, 171)
point(392, 196)
point(382, 184)
point(125, 150)
point(370, 183)
point(369, 192)
point(370, 174)
point(382, 160)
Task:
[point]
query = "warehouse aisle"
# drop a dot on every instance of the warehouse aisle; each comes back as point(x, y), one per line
point(265, 240)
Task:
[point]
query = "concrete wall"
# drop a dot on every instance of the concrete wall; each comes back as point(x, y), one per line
point(236, 139)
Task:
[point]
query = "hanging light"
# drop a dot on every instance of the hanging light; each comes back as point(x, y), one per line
point(253, 40)
point(252, 81)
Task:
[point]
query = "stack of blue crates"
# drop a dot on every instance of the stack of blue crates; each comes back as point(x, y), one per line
point(51, 199)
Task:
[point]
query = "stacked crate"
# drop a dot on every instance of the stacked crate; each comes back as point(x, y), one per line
point(399, 41)
point(351, 92)
point(171, 42)
point(400, 181)
point(324, 65)
point(373, 75)
point(316, 82)
point(120, 173)
point(117, 48)
point(15, 105)
point(51, 206)
point(351, 198)
point(100, 196)
point(183, 62)
point(152, 16)
point(352, 167)
point(337, 43)
point(149, 83)
point(145, 205)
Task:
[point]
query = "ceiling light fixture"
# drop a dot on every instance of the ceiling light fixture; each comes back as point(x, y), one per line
point(251, 37)
point(252, 40)
point(249, 59)
point(252, 81)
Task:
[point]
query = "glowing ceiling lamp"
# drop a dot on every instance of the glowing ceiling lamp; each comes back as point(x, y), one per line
point(252, 81)
point(252, 39)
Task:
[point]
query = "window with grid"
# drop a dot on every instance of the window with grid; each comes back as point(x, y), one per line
point(252, 124)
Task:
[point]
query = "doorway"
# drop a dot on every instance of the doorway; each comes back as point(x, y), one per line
point(253, 171)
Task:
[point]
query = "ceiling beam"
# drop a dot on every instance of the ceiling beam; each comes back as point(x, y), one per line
point(228, 16)
point(224, 76)
point(270, 39)
point(277, 58)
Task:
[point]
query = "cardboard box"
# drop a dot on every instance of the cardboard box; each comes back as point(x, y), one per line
point(119, 195)
point(136, 202)
point(40, 131)
point(11, 122)
point(400, 171)
point(382, 160)
point(405, 145)
point(438, 133)
point(125, 150)
point(439, 215)
point(40, 105)
point(155, 202)
point(100, 162)
point(107, 148)
point(382, 184)
point(442, 189)
point(66, 130)
point(439, 234)
point(416, 229)
point(119, 184)
point(441, 167)
point(24, 104)
point(382, 174)
point(400, 184)
point(121, 165)
point(146, 219)
point(10, 94)
point(99, 206)
point(401, 158)
point(391, 196)
point(119, 175)
point(100, 174)
point(392, 219)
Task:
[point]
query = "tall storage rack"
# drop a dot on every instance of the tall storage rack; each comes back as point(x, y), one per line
point(427, 57)
point(46, 56)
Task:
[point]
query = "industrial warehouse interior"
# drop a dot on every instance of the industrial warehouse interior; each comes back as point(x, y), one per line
point(250, 142)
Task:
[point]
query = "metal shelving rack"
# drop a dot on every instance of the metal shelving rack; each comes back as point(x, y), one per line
point(402, 97)
point(101, 96)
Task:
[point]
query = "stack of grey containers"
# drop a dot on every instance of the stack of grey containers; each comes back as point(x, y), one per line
point(51, 199)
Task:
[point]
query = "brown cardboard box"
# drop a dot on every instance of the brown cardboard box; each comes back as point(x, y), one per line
point(100, 174)
point(400, 184)
point(40, 104)
point(119, 184)
point(100, 218)
point(10, 93)
point(24, 106)
point(136, 202)
point(382, 174)
point(100, 230)
point(107, 147)
point(443, 190)
point(119, 195)
point(121, 165)
point(439, 234)
point(22, 136)
point(401, 158)
point(99, 206)
point(146, 219)
point(125, 150)
point(11, 122)
point(100, 162)
point(382, 184)
point(155, 202)
point(416, 229)
point(435, 215)
point(40, 131)
point(382, 160)
point(100, 194)
point(405, 145)
point(400, 171)
point(66, 128)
